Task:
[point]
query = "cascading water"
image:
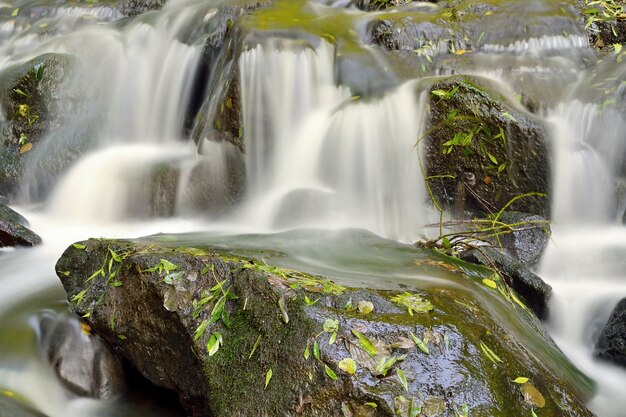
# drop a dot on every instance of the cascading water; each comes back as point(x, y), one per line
point(319, 154)
point(584, 264)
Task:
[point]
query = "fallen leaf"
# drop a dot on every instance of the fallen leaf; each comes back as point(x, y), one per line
point(26, 147)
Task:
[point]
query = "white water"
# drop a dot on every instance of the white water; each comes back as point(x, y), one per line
point(316, 157)
point(319, 157)
point(584, 263)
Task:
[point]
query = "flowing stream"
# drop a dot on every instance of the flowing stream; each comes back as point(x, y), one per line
point(331, 175)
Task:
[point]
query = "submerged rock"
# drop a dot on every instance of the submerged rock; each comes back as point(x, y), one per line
point(476, 134)
point(81, 360)
point(9, 407)
point(234, 336)
point(14, 230)
point(534, 291)
point(611, 343)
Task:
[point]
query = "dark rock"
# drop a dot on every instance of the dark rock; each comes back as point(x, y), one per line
point(475, 131)
point(29, 96)
point(82, 361)
point(611, 343)
point(171, 305)
point(534, 291)
point(14, 230)
point(529, 236)
point(10, 407)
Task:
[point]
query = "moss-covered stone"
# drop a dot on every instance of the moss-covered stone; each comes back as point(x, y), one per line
point(481, 152)
point(154, 304)
point(29, 94)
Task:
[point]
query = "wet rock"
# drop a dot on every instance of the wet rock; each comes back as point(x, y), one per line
point(253, 339)
point(528, 239)
point(29, 97)
point(534, 291)
point(611, 343)
point(14, 230)
point(137, 7)
point(9, 407)
point(81, 360)
point(474, 131)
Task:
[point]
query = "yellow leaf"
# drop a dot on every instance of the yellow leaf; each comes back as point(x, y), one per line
point(26, 147)
point(462, 51)
point(520, 380)
point(348, 365)
point(85, 328)
point(489, 13)
point(490, 283)
point(532, 395)
point(22, 109)
point(365, 307)
point(9, 394)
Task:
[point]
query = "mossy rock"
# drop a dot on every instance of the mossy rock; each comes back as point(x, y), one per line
point(165, 309)
point(29, 94)
point(497, 150)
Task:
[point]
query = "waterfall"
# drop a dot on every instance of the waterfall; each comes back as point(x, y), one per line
point(584, 262)
point(318, 156)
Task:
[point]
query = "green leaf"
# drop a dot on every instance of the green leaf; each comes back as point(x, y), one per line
point(412, 302)
point(214, 343)
point(268, 377)
point(316, 351)
point(365, 343)
point(200, 330)
point(617, 47)
point(365, 307)
point(308, 301)
point(492, 158)
point(520, 380)
point(121, 337)
point(508, 116)
point(115, 256)
point(370, 404)
point(307, 352)
point(256, 345)
point(402, 378)
point(439, 93)
point(490, 283)
point(502, 167)
point(384, 364)
point(331, 325)
point(168, 266)
point(116, 284)
point(38, 71)
point(532, 413)
point(420, 344)
point(490, 353)
point(15, 12)
point(333, 338)
point(79, 297)
point(79, 246)
point(331, 374)
point(348, 365)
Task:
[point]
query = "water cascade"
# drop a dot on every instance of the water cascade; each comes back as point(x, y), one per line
point(331, 128)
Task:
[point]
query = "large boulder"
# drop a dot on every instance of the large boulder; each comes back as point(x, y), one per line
point(237, 337)
point(481, 152)
point(611, 342)
point(14, 229)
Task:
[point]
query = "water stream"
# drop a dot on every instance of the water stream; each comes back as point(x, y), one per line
point(330, 176)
